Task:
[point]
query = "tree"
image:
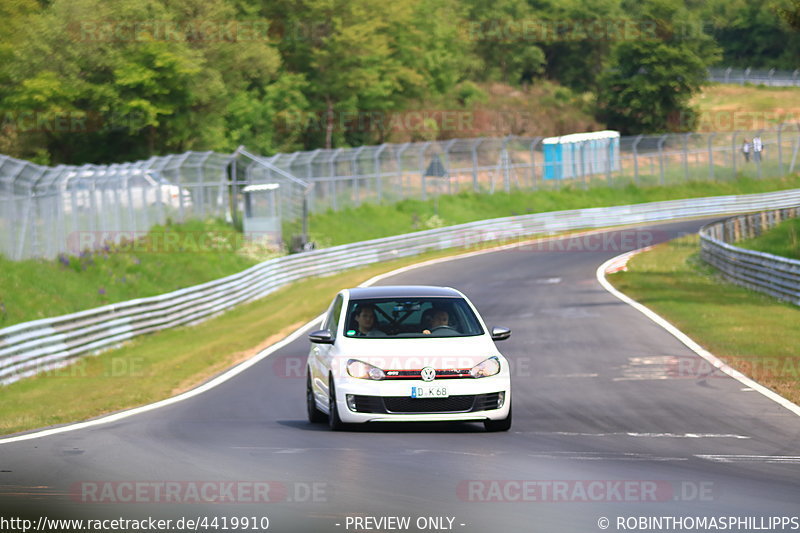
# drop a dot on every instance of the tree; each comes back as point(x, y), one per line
point(650, 82)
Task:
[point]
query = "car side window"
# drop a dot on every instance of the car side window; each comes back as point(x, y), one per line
point(332, 320)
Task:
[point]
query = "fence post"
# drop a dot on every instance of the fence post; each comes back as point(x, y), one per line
point(446, 150)
point(711, 156)
point(422, 168)
point(746, 75)
point(733, 151)
point(400, 174)
point(335, 182)
point(794, 76)
point(780, 150)
point(686, 156)
point(728, 74)
point(770, 75)
point(505, 163)
point(474, 150)
point(534, 144)
point(636, 159)
point(758, 158)
point(661, 157)
point(378, 177)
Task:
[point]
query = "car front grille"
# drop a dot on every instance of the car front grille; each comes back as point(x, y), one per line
point(467, 403)
point(443, 373)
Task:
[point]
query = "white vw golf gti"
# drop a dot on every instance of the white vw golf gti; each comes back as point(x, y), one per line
point(407, 354)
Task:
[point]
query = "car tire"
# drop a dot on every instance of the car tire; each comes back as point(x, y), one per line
point(499, 425)
point(315, 416)
point(334, 422)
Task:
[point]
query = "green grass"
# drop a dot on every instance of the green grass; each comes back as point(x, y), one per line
point(170, 257)
point(781, 240)
point(371, 221)
point(735, 107)
point(154, 367)
point(752, 332)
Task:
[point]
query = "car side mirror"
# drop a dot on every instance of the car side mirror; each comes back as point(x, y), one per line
point(500, 334)
point(322, 336)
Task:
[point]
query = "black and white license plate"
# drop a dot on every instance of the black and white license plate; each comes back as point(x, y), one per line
point(429, 392)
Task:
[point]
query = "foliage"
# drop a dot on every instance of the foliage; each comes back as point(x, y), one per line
point(97, 81)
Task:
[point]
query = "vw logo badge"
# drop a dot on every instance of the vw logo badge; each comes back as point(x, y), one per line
point(428, 374)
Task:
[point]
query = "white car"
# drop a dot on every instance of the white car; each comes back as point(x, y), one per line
point(407, 354)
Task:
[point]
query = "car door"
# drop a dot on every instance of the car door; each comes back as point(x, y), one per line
point(321, 353)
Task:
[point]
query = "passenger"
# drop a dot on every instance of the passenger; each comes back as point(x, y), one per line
point(367, 322)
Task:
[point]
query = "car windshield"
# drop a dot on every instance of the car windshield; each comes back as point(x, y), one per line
point(411, 318)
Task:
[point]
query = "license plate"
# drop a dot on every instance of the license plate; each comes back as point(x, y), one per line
point(429, 392)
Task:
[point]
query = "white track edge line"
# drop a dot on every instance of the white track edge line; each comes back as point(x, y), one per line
point(685, 339)
point(241, 367)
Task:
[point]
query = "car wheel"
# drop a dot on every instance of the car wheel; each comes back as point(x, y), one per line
point(499, 425)
point(315, 416)
point(334, 421)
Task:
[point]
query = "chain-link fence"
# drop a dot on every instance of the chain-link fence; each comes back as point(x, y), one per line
point(391, 172)
point(771, 77)
point(46, 211)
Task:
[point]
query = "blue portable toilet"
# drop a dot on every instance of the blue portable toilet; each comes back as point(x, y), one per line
point(580, 154)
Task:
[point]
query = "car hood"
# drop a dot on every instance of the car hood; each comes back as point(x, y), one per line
point(414, 354)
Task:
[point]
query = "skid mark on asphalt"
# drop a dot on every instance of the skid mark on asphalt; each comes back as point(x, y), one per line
point(773, 459)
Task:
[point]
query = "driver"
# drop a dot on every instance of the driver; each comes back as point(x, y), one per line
point(439, 318)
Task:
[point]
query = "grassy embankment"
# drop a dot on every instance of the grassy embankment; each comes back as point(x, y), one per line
point(783, 240)
point(752, 332)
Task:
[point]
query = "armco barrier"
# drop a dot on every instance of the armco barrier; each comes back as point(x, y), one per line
point(771, 274)
point(32, 347)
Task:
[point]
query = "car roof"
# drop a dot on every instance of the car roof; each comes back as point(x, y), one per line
point(403, 291)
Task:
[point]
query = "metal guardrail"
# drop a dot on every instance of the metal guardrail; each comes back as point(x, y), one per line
point(32, 347)
point(759, 271)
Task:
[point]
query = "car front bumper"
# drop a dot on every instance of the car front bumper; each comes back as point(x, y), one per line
point(400, 390)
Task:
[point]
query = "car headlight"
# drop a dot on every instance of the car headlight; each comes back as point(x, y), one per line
point(362, 370)
point(486, 368)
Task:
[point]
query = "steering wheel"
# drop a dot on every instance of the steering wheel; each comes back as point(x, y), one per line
point(442, 327)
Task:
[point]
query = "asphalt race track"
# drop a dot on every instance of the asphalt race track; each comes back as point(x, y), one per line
point(613, 417)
